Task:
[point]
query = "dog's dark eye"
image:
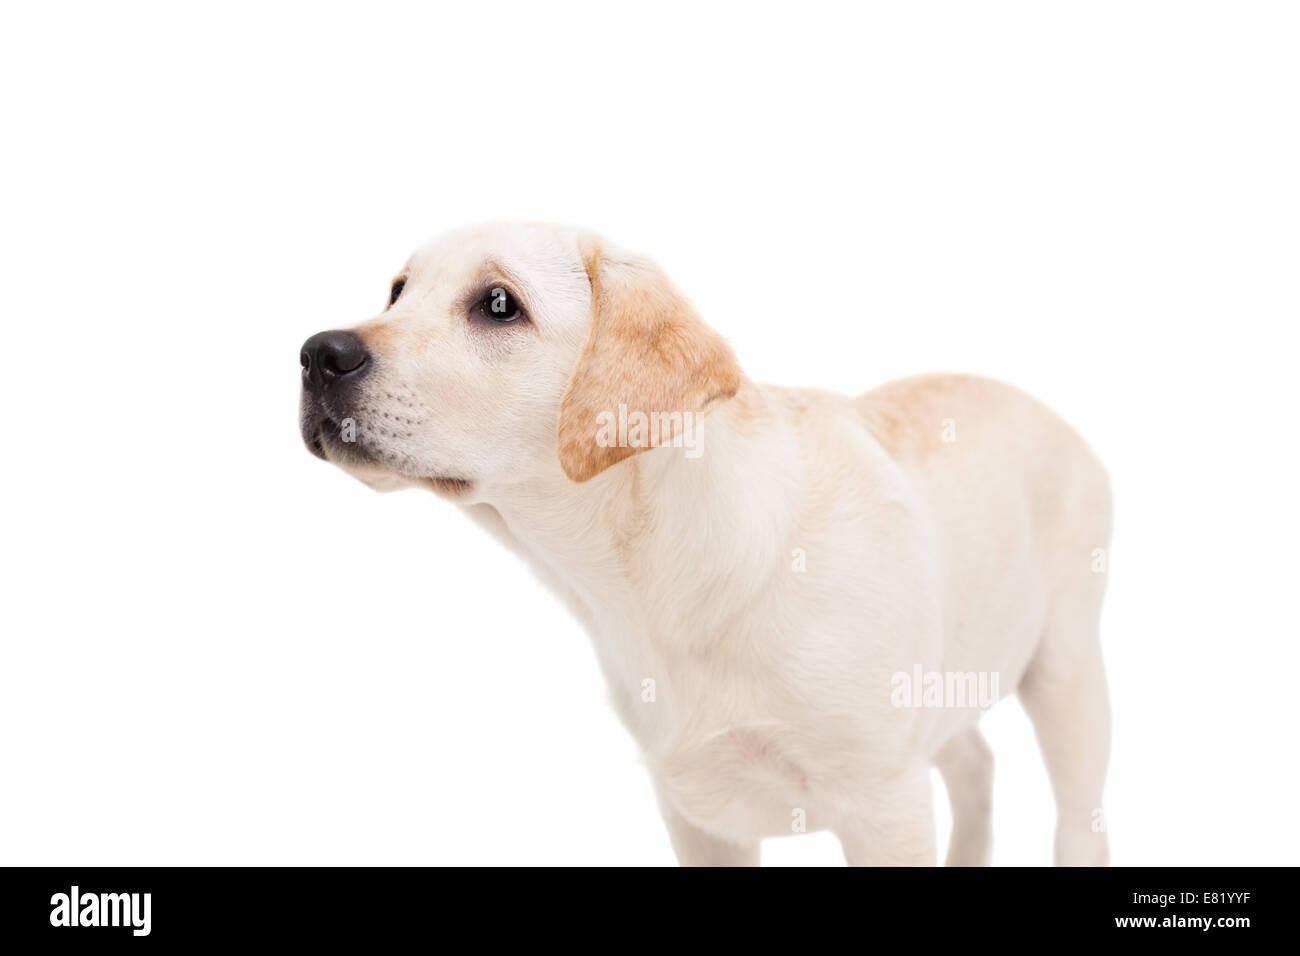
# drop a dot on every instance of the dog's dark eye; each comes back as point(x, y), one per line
point(398, 286)
point(499, 305)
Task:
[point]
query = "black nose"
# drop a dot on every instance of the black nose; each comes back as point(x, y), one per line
point(329, 357)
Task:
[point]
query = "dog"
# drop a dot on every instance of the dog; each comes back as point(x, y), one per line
point(784, 587)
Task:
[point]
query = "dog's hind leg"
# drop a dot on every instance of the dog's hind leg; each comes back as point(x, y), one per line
point(966, 764)
point(1064, 693)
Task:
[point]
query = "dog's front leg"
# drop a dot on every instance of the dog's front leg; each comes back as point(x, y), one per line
point(897, 825)
point(694, 847)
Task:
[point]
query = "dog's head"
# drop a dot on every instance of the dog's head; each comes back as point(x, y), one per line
point(500, 356)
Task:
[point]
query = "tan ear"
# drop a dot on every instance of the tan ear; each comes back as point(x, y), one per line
point(647, 350)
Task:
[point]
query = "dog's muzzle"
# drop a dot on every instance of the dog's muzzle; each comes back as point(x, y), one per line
point(332, 363)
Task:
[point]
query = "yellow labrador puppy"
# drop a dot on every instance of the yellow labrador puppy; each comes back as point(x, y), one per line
point(801, 600)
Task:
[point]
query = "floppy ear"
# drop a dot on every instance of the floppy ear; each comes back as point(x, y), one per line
point(647, 349)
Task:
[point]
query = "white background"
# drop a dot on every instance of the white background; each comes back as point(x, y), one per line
point(217, 649)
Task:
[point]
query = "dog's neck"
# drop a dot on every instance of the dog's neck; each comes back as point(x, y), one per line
point(658, 551)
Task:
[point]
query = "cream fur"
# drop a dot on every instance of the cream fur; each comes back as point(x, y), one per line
point(944, 521)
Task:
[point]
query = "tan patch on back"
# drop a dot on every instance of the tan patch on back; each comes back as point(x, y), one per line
point(911, 416)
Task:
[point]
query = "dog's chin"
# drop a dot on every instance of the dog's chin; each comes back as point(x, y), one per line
point(320, 435)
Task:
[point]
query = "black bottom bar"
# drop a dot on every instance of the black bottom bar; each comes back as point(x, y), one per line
point(656, 908)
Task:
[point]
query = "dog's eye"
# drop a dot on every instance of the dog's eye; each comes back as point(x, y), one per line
point(398, 285)
point(499, 305)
